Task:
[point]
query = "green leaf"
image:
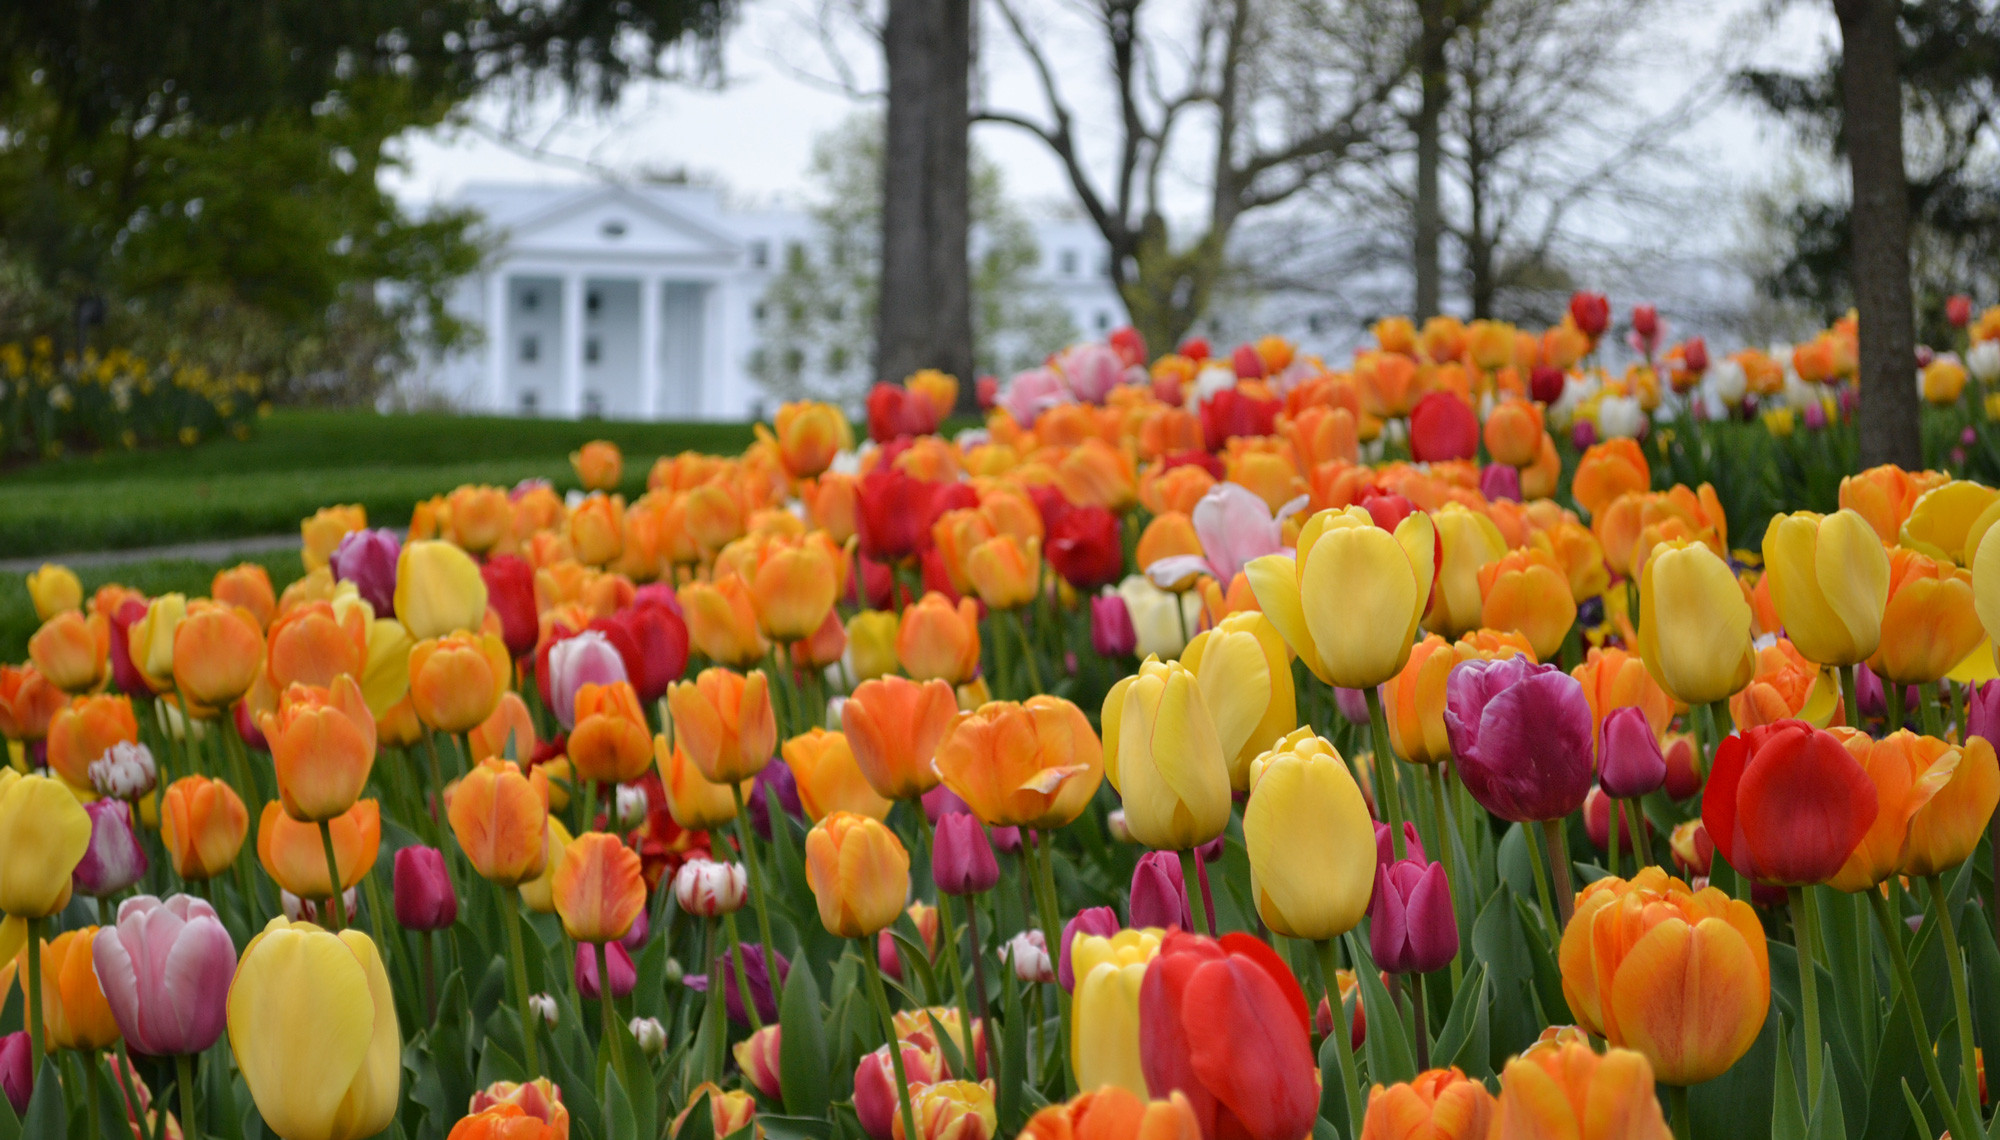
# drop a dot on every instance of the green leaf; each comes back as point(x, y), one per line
point(46, 1115)
point(1499, 945)
point(1829, 1122)
point(1463, 1040)
point(916, 959)
point(803, 1067)
point(1788, 1119)
point(1323, 1129)
point(699, 1125)
point(619, 1123)
point(1013, 1052)
point(1332, 1090)
point(795, 1127)
point(1390, 1056)
point(1548, 978)
point(10, 1125)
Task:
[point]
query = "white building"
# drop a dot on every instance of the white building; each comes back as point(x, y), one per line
point(645, 302)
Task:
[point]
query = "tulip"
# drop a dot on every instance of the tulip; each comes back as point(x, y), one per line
point(1443, 428)
point(342, 1080)
point(694, 803)
point(438, 590)
point(83, 730)
point(1029, 952)
point(1414, 703)
point(1521, 733)
point(596, 529)
point(1412, 928)
point(1829, 577)
point(725, 722)
point(150, 640)
point(315, 642)
point(1630, 763)
point(1003, 572)
point(1306, 832)
point(951, 1110)
point(75, 1014)
point(1111, 630)
point(28, 702)
point(585, 659)
point(425, 900)
point(44, 834)
point(598, 890)
point(1097, 921)
point(763, 990)
point(1114, 1113)
point(936, 640)
point(793, 588)
point(1571, 1090)
point(323, 745)
point(1526, 591)
point(1105, 1032)
point(1608, 470)
point(829, 778)
point(1166, 758)
point(320, 534)
point(1159, 894)
point(498, 816)
point(962, 860)
point(385, 681)
point(180, 939)
point(1787, 804)
point(859, 874)
point(505, 1122)
point(658, 645)
point(202, 825)
point(1681, 977)
point(218, 650)
point(1349, 604)
point(1694, 624)
point(757, 1056)
point(1612, 679)
point(599, 465)
point(125, 772)
point(875, 1096)
point(294, 854)
point(710, 890)
point(1034, 764)
point(1440, 1104)
point(71, 650)
point(1245, 672)
point(539, 1099)
point(1385, 852)
point(54, 589)
point(456, 681)
point(1933, 800)
point(114, 859)
point(1204, 1006)
point(1084, 546)
point(1931, 622)
point(618, 960)
point(871, 644)
point(16, 1072)
point(610, 743)
point(369, 559)
point(1468, 541)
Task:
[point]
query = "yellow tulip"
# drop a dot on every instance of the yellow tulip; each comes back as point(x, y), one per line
point(44, 833)
point(859, 873)
point(1470, 541)
point(1942, 518)
point(1829, 577)
point(1104, 1022)
point(54, 589)
point(1162, 753)
point(871, 644)
point(539, 893)
point(438, 590)
point(1694, 624)
point(1310, 840)
point(1245, 672)
point(341, 1080)
point(150, 640)
point(1348, 605)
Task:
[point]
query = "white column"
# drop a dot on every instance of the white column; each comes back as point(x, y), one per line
point(572, 344)
point(649, 347)
point(497, 346)
point(717, 385)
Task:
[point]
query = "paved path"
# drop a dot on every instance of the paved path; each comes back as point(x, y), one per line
point(208, 550)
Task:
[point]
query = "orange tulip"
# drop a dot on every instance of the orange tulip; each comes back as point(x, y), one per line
point(83, 730)
point(313, 643)
point(829, 778)
point(1441, 1104)
point(1514, 432)
point(1786, 685)
point(509, 733)
point(71, 650)
point(695, 803)
point(75, 1014)
point(809, 435)
point(1540, 478)
point(498, 816)
point(1929, 624)
point(506, 1122)
point(599, 465)
point(1414, 703)
point(793, 589)
point(1167, 536)
point(1320, 434)
point(1035, 764)
point(728, 1112)
point(722, 621)
point(1114, 1113)
point(1004, 572)
point(1683, 978)
point(1608, 470)
point(859, 873)
point(1572, 1091)
point(294, 855)
point(1580, 555)
point(322, 532)
point(202, 826)
point(1267, 474)
point(597, 529)
point(1614, 679)
point(456, 681)
point(893, 725)
point(1175, 490)
point(481, 517)
point(714, 516)
point(833, 502)
point(323, 747)
point(725, 722)
point(247, 585)
point(1526, 591)
point(1096, 474)
point(598, 889)
point(1933, 800)
point(938, 640)
point(218, 650)
point(27, 703)
point(610, 743)
point(1884, 495)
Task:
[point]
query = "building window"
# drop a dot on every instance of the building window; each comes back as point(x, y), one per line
point(530, 402)
point(612, 230)
point(592, 302)
point(760, 254)
point(531, 349)
point(1104, 264)
point(592, 350)
point(1316, 323)
point(757, 312)
point(531, 300)
point(1103, 321)
point(1067, 261)
point(593, 404)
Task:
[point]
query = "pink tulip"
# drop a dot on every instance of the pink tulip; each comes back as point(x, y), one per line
point(1099, 920)
point(1629, 761)
point(15, 1075)
point(1111, 631)
point(1159, 893)
point(1235, 526)
point(1411, 927)
point(1521, 735)
point(623, 975)
point(587, 658)
point(165, 968)
point(424, 898)
point(875, 1098)
point(1033, 392)
point(367, 558)
point(114, 860)
point(1413, 847)
point(962, 860)
point(1092, 370)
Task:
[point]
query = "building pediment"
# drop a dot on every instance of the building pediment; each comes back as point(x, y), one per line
point(616, 222)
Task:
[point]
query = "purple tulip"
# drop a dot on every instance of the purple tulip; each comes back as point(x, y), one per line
point(1101, 921)
point(586, 659)
point(165, 971)
point(1111, 631)
point(367, 558)
point(1411, 927)
point(1869, 695)
point(1159, 894)
point(1353, 705)
point(424, 898)
point(15, 1075)
point(642, 928)
point(760, 984)
point(1521, 734)
point(1629, 760)
point(623, 975)
point(1982, 712)
point(1499, 481)
point(773, 780)
point(114, 860)
point(1212, 850)
point(942, 801)
point(1385, 853)
point(962, 860)
point(1008, 839)
point(1582, 434)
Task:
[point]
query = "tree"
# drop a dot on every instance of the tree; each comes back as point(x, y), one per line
point(1273, 96)
point(821, 308)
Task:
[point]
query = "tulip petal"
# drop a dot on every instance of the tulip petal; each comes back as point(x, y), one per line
point(1274, 581)
point(1262, 1075)
point(1803, 806)
point(1690, 998)
point(290, 979)
point(1236, 686)
point(1362, 588)
point(1718, 802)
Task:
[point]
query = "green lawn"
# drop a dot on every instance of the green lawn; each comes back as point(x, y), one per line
point(156, 577)
point(300, 461)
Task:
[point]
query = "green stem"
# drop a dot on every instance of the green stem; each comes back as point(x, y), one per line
point(742, 974)
point(610, 1028)
point(1542, 891)
point(881, 997)
point(1635, 819)
point(510, 912)
point(335, 902)
point(1927, 710)
point(978, 956)
point(750, 862)
point(1342, 1051)
point(1045, 901)
point(717, 1058)
point(1385, 772)
point(1613, 824)
point(1805, 928)
point(184, 1077)
point(1552, 834)
point(1027, 650)
point(1955, 959)
point(1892, 695)
point(948, 936)
point(1926, 1047)
point(1423, 1034)
point(1188, 861)
point(1677, 1100)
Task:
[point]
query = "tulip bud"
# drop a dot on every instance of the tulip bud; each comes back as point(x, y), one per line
point(1111, 630)
point(54, 589)
point(1116, 825)
point(1521, 735)
point(859, 874)
point(1601, 813)
point(126, 771)
point(544, 1007)
point(756, 971)
point(1411, 928)
point(1029, 953)
point(424, 897)
point(1629, 760)
point(16, 1075)
point(308, 910)
point(630, 805)
point(962, 860)
point(598, 888)
point(875, 1097)
point(623, 975)
point(114, 859)
point(1385, 852)
point(1159, 892)
point(1100, 921)
point(1693, 851)
point(757, 1056)
point(650, 1034)
point(43, 835)
point(1683, 777)
point(709, 889)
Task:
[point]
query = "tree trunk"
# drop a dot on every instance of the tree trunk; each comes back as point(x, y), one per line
point(1429, 223)
point(1872, 94)
point(924, 318)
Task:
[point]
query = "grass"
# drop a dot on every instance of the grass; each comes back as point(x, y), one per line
point(300, 461)
point(158, 576)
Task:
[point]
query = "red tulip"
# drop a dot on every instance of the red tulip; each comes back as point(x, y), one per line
point(1591, 313)
point(1786, 804)
point(1085, 547)
point(1443, 427)
point(895, 411)
point(891, 519)
point(1247, 364)
point(653, 642)
point(510, 592)
point(1224, 1022)
point(1195, 348)
point(1545, 383)
point(1231, 412)
point(1958, 310)
point(1129, 344)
